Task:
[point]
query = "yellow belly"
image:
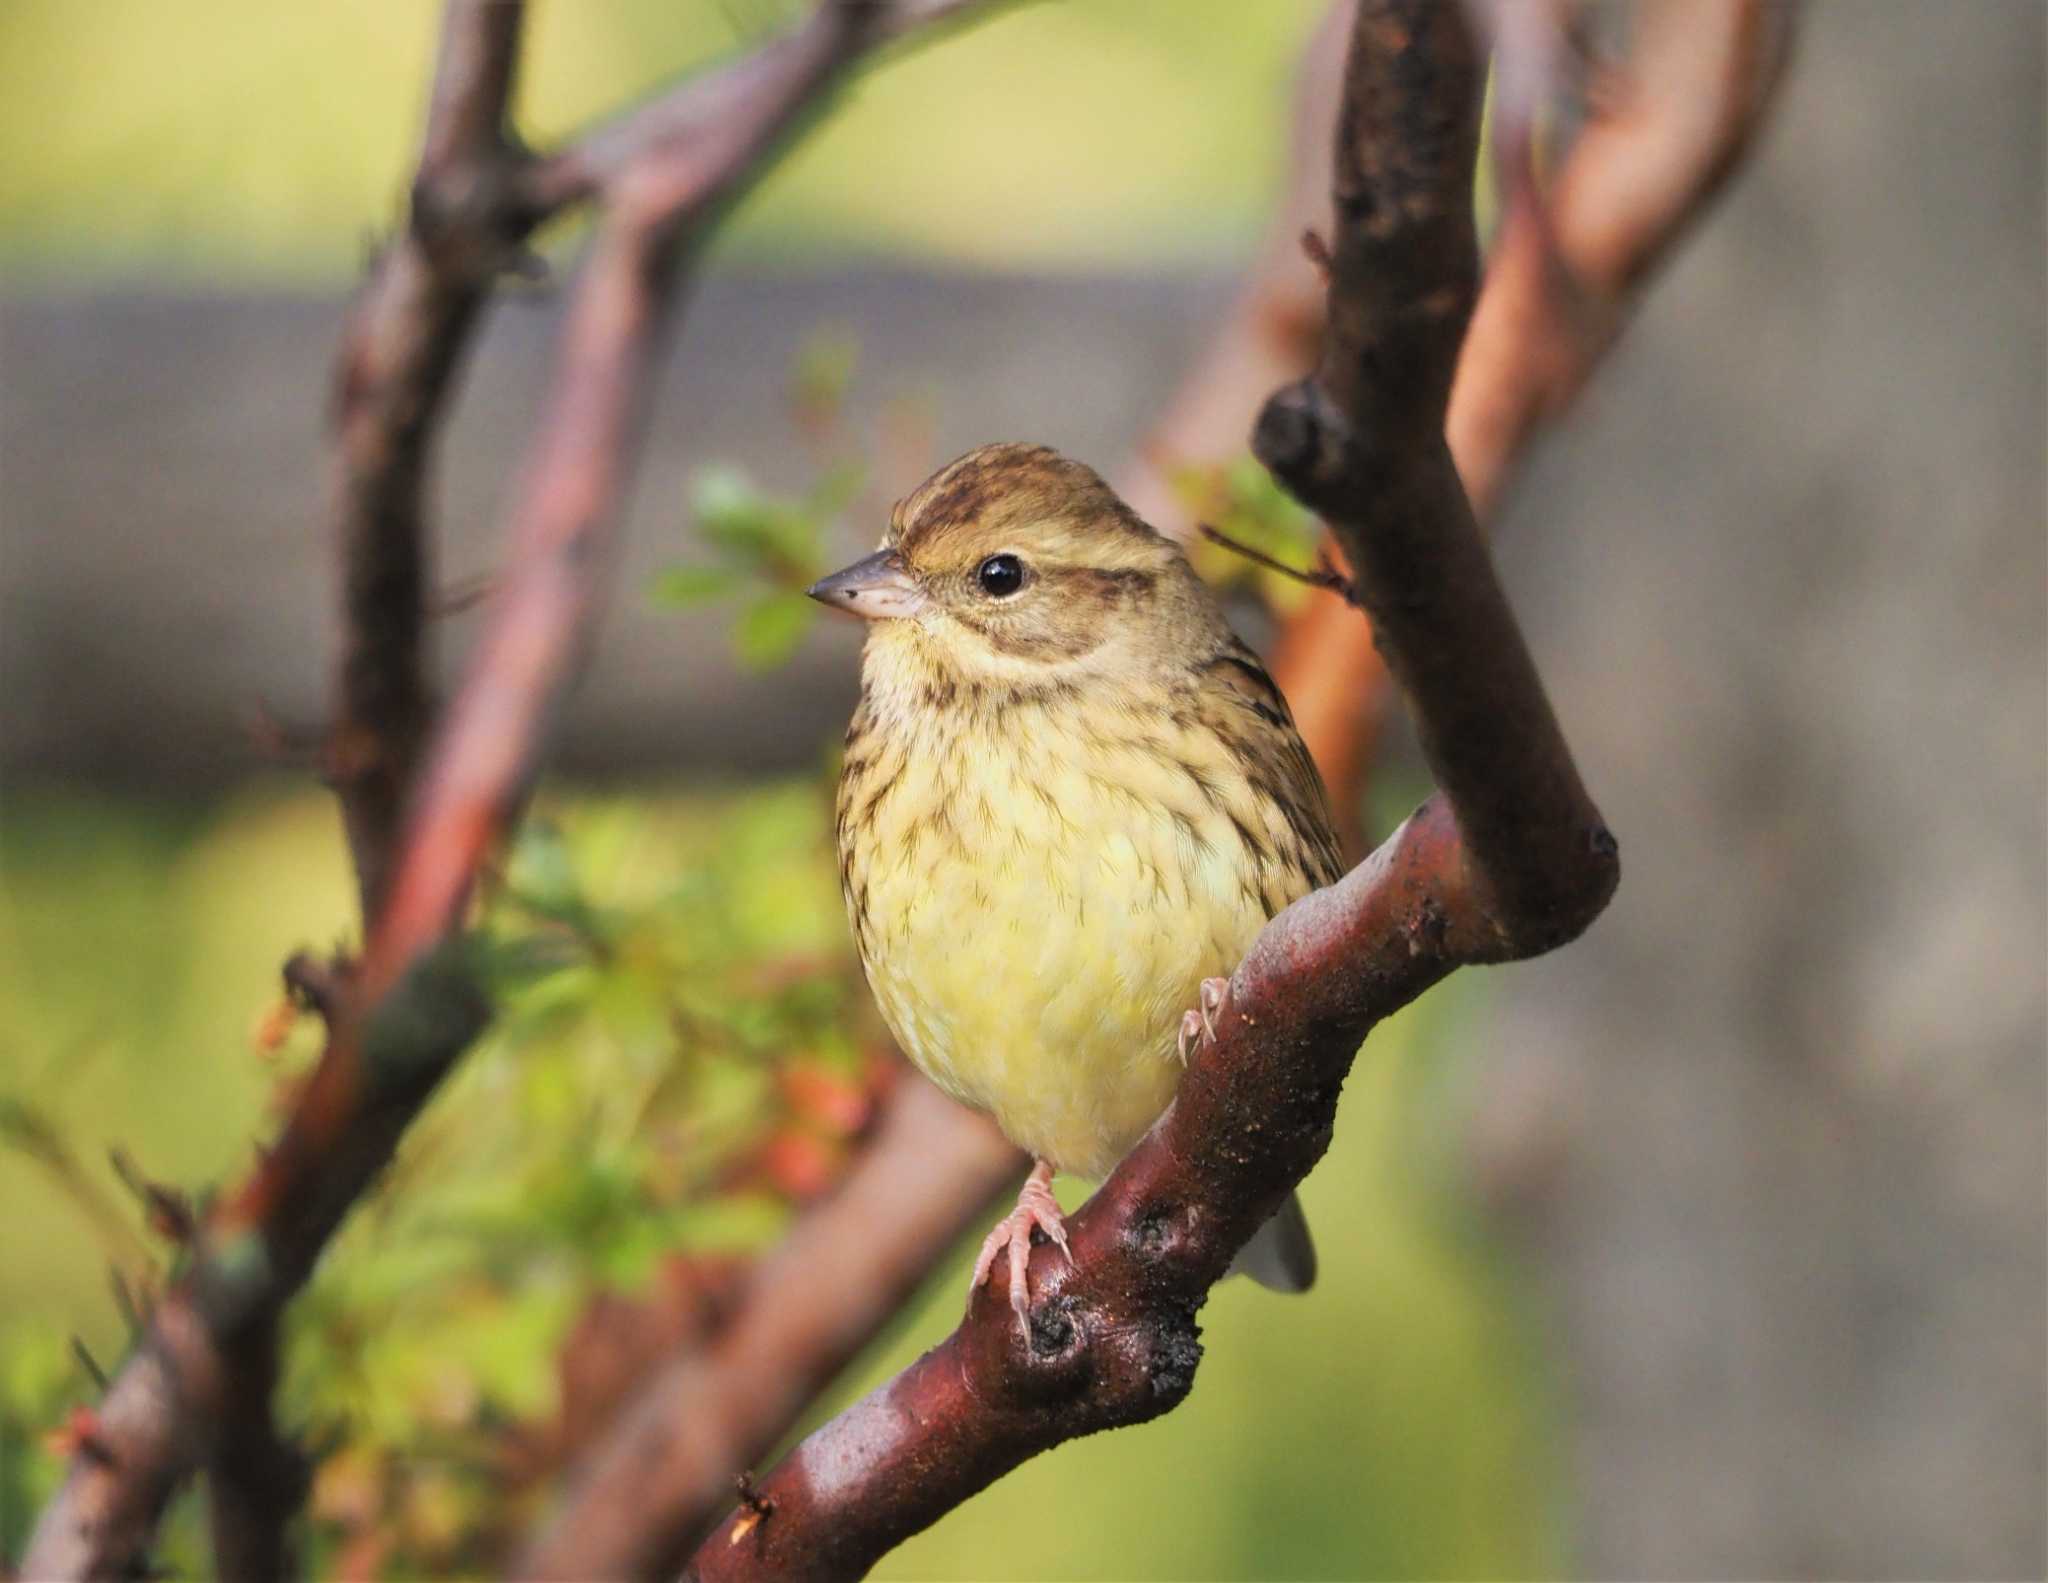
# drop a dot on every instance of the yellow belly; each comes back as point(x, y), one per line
point(1035, 915)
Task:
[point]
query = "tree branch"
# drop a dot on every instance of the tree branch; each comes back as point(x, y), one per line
point(476, 198)
point(1508, 858)
point(686, 113)
point(411, 1007)
point(1567, 270)
point(405, 337)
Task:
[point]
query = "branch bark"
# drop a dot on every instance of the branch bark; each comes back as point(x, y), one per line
point(1673, 124)
point(1507, 859)
point(422, 820)
point(404, 340)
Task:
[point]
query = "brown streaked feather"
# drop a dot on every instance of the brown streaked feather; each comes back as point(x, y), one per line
point(1087, 778)
point(1245, 708)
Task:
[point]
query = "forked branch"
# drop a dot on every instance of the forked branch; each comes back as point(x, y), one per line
point(1509, 858)
point(426, 808)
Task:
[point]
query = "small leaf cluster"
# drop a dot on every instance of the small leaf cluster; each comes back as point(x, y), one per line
point(681, 1056)
point(764, 549)
point(1244, 502)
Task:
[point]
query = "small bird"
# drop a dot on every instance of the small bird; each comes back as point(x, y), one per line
point(1071, 799)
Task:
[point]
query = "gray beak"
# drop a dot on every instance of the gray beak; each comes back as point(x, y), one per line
point(874, 588)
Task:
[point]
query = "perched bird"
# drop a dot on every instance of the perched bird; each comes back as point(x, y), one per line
point(1071, 797)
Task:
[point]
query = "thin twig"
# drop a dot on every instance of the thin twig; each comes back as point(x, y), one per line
point(1322, 575)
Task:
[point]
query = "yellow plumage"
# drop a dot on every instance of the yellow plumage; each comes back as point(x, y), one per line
point(1065, 804)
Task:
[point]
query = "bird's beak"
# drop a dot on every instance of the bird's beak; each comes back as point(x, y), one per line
point(874, 588)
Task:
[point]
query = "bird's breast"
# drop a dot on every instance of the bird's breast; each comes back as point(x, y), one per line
point(1037, 894)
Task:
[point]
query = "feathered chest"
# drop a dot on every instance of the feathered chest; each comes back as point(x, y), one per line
point(1038, 881)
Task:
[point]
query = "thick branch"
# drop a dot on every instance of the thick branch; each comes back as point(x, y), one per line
point(1472, 877)
point(1677, 120)
point(411, 1007)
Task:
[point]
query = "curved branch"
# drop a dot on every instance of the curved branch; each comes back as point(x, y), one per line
point(1510, 857)
point(1668, 131)
point(1674, 123)
point(405, 337)
point(411, 1007)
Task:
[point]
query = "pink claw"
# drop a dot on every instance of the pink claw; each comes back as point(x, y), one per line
point(1036, 1207)
point(1212, 995)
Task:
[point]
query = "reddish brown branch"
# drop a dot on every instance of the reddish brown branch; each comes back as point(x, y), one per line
point(405, 337)
point(1665, 132)
point(680, 118)
point(410, 1008)
point(638, 1503)
point(476, 199)
point(1509, 858)
point(256, 1480)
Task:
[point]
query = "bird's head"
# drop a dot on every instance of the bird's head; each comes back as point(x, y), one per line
point(1014, 563)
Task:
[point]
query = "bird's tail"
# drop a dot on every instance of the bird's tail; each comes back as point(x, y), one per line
point(1280, 1256)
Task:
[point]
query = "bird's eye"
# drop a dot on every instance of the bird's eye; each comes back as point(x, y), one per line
point(1000, 576)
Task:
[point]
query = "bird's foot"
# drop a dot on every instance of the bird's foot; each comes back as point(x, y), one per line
point(1196, 1026)
point(1036, 1209)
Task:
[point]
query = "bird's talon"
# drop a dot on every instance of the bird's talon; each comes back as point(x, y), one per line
point(1212, 994)
point(1190, 1032)
point(1037, 1210)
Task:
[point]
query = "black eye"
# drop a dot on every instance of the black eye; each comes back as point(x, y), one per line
point(1000, 576)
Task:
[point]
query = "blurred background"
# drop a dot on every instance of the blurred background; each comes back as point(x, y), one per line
point(1716, 1245)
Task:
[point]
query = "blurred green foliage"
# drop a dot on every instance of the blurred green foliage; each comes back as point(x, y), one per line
point(684, 1055)
point(767, 549)
point(213, 141)
point(1241, 500)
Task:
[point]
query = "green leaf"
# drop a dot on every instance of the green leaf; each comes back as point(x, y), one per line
point(823, 372)
point(681, 587)
point(772, 628)
point(837, 490)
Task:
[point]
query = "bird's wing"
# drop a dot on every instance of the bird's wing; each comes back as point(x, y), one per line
point(1242, 704)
